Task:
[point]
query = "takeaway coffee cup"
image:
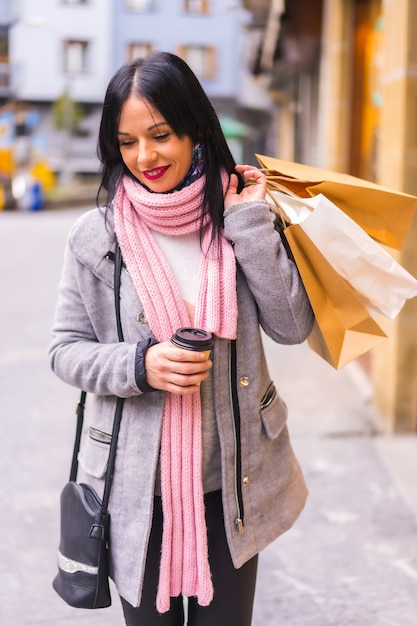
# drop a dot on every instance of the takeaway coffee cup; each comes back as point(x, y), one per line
point(193, 339)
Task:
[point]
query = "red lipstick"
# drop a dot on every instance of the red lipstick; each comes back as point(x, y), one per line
point(155, 173)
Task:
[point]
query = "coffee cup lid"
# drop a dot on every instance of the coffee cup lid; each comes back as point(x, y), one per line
point(192, 339)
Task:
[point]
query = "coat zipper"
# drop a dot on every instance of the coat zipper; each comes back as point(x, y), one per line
point(234, 405)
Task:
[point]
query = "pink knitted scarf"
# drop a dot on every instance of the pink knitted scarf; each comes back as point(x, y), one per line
point(184, 566)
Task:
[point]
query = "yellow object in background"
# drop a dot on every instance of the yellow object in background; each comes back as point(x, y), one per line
point(6, 162)
point(41, 172)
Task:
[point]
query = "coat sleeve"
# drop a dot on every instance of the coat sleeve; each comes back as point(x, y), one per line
point(84, 351)
point(284, 310)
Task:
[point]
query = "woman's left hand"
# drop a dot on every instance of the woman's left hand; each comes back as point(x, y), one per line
point(255, 190)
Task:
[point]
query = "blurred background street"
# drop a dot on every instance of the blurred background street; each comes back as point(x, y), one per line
point(351, 559)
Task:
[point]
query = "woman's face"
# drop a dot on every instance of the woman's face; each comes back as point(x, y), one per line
point(150, 149)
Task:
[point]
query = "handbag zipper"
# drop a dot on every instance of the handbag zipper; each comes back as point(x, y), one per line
point(234, 405)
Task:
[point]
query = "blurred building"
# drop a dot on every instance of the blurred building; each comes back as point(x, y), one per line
point(7, 15)
point(342, 76)
point(61, 55)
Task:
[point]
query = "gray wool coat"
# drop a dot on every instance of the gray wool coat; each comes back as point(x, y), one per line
point(85, 353)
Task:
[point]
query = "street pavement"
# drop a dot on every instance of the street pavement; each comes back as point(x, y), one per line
point(350, 559)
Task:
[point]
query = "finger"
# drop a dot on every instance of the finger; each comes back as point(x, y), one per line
point(244, 169)
point(188, 380)
point(190, 368)
point(183, 391)
point(233, 184)
point(164, 372)
point(176, 382)
point(254, 174)
point(185, 385)
point(181, 355)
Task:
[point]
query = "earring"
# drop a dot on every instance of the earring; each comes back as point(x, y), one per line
point(198, 151)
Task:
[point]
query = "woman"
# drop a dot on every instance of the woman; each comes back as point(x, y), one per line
point(205, 475)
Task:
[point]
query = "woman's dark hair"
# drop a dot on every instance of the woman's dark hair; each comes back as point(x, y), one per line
point(166, 82)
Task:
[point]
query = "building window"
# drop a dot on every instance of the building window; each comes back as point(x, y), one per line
point(4, 77)
point(136, 50)
point(4, 44)
point(76, 57)
point(197, 6)
point(201, 59)
point(142, 6)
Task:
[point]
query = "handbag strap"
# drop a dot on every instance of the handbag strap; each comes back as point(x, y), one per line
point(80, 419)
point(119, 404)
point(120, 401)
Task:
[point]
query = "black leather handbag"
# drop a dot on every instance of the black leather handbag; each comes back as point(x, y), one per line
point(83, 555)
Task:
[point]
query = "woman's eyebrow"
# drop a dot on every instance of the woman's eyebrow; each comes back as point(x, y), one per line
point(120, 132)
point(163, 123)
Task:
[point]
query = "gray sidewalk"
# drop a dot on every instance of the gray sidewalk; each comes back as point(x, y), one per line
point(351, 558)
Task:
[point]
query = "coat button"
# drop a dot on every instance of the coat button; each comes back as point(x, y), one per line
point(141, 318)
point(245, 481)
point(244, 381)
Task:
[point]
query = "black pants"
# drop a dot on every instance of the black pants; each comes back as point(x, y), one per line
point(234, 589)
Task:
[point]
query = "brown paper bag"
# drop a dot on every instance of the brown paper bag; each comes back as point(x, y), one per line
point(344, 328)
point(384, 214)
point(382, 284)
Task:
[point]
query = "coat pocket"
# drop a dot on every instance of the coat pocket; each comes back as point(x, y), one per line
point(94, 457)
point(274, 412)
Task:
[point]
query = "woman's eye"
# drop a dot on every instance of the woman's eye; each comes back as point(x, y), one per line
point(126, 144)
point(162, 137)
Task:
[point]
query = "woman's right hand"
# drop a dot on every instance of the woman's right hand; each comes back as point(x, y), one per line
point(175, 370)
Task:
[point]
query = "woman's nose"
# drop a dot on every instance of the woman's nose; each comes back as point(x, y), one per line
point(146, 154)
